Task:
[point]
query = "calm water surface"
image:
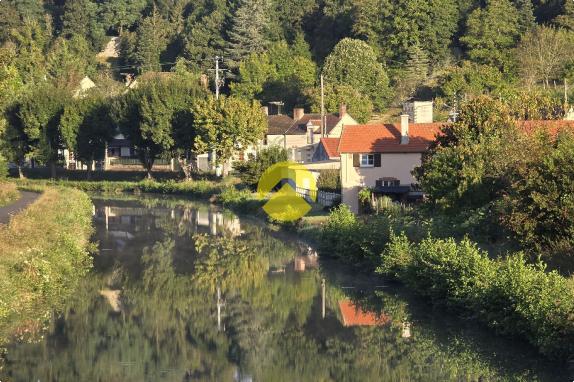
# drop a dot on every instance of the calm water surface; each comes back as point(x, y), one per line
point(182, 291)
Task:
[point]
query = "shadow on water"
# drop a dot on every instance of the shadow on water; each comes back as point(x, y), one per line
point(183, 291)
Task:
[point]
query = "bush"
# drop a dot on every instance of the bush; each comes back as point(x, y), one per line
point(8, 193)
point(239, 200)
point(509, 295)
point(3, 167)
point(251, 170)
point(329, 180)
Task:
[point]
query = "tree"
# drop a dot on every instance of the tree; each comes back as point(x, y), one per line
point(354, 63)
point(203, 33)
point(68, 61)
point(248, 30)
point(33, 126)
point(470, 80)
point(152, 39)
point(80, 19)
point(227, 125)
point(278, 71)
point(566, 18)
point(120, 15)
point(540, 204)
point(464, 167)
point(491, 32)
point(414, 74)
point(359, 106)
point(543, 54)
point(86, 127)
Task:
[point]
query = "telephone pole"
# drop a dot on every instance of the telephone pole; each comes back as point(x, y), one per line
point(217, 81)
point(323, 127)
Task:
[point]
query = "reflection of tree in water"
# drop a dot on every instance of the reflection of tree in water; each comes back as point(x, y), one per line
point(166, 328)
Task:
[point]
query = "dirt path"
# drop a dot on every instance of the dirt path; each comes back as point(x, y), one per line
point(26, 198)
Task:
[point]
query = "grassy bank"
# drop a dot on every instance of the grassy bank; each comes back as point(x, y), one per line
point(8, 193)
point(43, 254)
point(509, 294)
point(199, 188)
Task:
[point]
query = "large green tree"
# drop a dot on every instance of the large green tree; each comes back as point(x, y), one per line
point(491, 33)
point(227, 125)
point(248, 30)
point(80, 18)
point(354, 63)
point(152, 40)
point(120, 15)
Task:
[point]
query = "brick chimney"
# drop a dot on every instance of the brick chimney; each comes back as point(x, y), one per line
point(404, 129)
point(298, 113)
point(342, 110)
point(265, 110)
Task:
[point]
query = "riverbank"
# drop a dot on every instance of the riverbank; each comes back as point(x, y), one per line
point(508, 294)
point(8, 193)
point(43, 254)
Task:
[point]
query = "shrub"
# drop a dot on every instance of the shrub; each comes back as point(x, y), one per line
point(509, 295)
point(329, 180)
point(251, 170)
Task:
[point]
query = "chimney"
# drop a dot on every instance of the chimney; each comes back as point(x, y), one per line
point(265, 110)
point(298, 113)
point(342, 110)
point(404, 129)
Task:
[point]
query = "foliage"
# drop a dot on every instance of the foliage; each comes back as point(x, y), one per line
point(359, 106)
point(509, 295)
point(329, 180)
point(44, 255)
point(354, 63)
point(226, 125)
point(248, 30)
point(491, 32)
point(3, 167)
point(543, 54)
point(470, 80)
point(8, 193)
point(539, 204)
point(251, 170)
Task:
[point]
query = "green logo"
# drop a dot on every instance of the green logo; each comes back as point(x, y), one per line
point(286, 204)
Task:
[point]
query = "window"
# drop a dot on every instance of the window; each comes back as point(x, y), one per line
point(388, 182)
point(367, 160)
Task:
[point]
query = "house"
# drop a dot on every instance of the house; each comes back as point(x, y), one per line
point(382, 158)
point(301, 135)
point(327, 150)
point(83, 87)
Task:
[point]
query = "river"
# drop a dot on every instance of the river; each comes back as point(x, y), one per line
point(184, 291)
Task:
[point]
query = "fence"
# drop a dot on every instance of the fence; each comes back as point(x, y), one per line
point(137, 162)
point(323, 198)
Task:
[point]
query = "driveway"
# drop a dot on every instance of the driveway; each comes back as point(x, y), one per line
point(26, 198)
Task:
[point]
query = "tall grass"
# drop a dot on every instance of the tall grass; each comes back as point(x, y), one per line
point(8, 193)
point(43, 254)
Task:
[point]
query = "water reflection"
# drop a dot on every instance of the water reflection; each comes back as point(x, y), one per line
point(184, 292)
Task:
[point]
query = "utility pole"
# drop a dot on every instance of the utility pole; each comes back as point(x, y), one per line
point(217, 83)
point(565, 92)
point(323, 127)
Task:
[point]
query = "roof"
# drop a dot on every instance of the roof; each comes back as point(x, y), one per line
point(278, 124)
point(331, 146)
point(355, 316)
point(553, 126)
point(300, 127)
point(386, 138)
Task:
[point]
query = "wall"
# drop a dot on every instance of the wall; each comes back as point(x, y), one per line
point(397, 166)
point(347, 120)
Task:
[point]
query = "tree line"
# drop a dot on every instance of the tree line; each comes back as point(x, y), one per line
point(173, 118)
point(373, 53)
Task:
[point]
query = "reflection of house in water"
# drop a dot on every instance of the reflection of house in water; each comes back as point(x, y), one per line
point(302, 263)
point(355, 316)
point(124, 223)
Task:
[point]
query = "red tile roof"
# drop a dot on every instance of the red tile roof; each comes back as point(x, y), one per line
point(386, 138)
point(355, 316)
point(552, 126)
point(331, 146)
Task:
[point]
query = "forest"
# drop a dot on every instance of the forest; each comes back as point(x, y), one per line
point(373, 53)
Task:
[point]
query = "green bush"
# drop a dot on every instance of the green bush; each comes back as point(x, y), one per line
point(329, 180)
point(510, 295)
point(239, 200)
point(251, 170)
